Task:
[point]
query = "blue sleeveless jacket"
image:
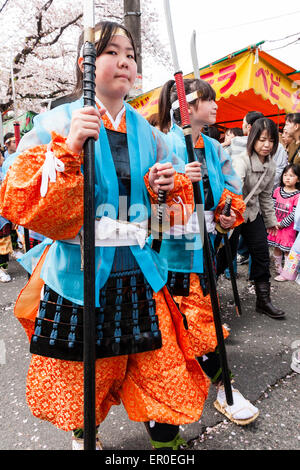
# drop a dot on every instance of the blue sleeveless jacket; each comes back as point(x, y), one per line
point(185, 253)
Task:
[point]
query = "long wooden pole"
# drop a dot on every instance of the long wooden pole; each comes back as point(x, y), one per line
point(208, 261)
point(228, 203)
point(17, 133)
point(89, 322)
point(223, 233)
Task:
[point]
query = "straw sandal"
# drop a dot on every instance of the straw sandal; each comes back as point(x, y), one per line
point(242, 412)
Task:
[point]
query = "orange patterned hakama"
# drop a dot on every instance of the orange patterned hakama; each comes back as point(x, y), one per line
point(199, 315)
point(166, 385)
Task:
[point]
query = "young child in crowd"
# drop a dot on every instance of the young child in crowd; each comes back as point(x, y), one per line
point(230, 134)
point(291, 269)
point(285, 197)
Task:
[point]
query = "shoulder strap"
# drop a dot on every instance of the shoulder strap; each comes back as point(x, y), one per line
point(295, 154)
point(247, 199)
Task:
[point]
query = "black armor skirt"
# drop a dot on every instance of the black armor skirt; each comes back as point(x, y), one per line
point(179, 283)
point(126, 321)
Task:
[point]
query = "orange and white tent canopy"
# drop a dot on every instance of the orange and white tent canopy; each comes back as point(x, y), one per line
point(244, 81)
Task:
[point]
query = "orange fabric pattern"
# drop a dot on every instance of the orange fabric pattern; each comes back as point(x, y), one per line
point(237, 200)
point(237, 205)
point(166, 385)
point(200, 143)
point(108, 125)
point(21, 202)
point(199, 315)
point(179, 210)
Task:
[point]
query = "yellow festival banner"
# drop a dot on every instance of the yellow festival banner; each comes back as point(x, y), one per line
point(246, 72)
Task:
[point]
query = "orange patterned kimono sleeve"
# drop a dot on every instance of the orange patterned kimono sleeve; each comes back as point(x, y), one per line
point(58, 214)
point(179, 201)
point(237, 205)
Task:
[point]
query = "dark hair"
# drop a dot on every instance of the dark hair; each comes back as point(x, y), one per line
point(168, 95)
point(237, 131)
point(257, 128)
point(252, 116)
point(214, 132)
point(107, 28)
point(153, 119)
point(7, 136)
point(295, 169)
point(293, 117)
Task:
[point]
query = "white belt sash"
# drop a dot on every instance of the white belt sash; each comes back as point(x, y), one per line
point(192, 226)
point(109, 232)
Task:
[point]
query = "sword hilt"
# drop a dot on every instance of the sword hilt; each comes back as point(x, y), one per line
point(17, 132)
point(227, 206)
point(89, 59)
point(162, 195)
point(183, 106)
point(226, 211)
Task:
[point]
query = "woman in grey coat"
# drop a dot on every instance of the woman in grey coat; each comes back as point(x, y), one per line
point(257, 170)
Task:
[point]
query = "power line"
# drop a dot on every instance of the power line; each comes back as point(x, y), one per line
point(282, 39)
point(282, 47)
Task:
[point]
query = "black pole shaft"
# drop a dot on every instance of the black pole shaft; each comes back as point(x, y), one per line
point(236, 296)
point(232, 275)
point(187, 130)
point(89, 321)
point(208, 264)
point(27, 243)
point(26, 240)
point(17, 133)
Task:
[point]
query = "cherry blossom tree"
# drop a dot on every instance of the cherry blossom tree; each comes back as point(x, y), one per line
point(39, 42)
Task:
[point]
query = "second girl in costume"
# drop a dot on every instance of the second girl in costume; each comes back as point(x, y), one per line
point(183, 248)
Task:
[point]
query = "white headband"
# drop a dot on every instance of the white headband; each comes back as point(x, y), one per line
point(118, 32)
point(190, 97)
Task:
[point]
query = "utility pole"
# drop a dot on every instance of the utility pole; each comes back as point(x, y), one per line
point(132, 21)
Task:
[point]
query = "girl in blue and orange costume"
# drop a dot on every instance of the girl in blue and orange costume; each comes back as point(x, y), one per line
point(183, 247)
point(135, 312)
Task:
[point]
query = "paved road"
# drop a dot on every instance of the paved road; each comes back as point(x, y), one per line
point(259, 353)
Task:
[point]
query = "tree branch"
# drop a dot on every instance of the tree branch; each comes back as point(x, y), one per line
point(35, 40)
point(45, 96)
point(4, 5)
point(61, 30)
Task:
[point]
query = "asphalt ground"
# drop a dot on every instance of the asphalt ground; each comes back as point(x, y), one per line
point(259, 351)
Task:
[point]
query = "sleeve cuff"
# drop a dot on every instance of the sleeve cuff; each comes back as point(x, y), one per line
point(63, 152)
point(237, 205)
